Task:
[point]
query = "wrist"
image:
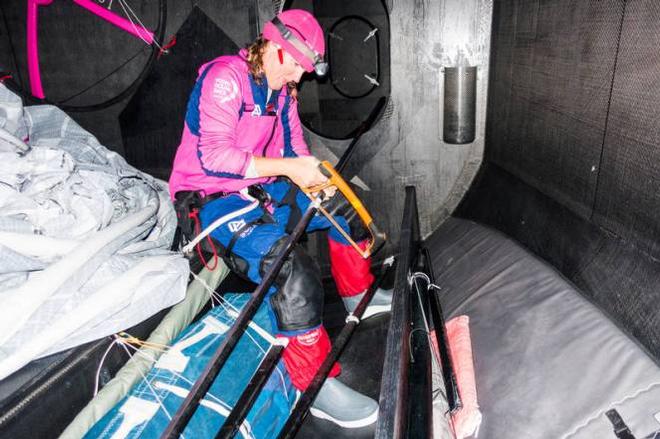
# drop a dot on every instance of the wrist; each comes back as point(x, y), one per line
point(273, 167)
point(285, 167)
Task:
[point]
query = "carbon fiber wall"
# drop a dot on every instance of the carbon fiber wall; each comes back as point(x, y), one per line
point(573, 148)
point(552, 73)
point(628, 196)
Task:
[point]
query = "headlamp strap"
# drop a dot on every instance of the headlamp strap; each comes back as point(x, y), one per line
point(295, 42)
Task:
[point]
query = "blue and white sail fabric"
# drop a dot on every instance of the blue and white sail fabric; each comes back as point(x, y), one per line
point(149, 406)
point(84, 237)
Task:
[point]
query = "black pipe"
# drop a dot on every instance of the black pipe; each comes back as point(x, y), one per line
point(438, 324)
point(363, 128)
point(301, 409)
point(393, 401)
point(420, 412)
point(221, 354)
point(251, 392)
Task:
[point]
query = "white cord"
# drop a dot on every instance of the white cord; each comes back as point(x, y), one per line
point(233, 312)
point(128, 11)
point(217, 223)
point(412, 277)
point(178, 375)
point(212, 294)
point(153, 391)
point(420, 274)
point(264, 334)
point(97, 378)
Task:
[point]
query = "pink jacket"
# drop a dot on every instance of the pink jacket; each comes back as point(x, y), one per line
point(227, 122)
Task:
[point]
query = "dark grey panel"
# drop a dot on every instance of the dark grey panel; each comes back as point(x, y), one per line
point(338, 8)
point(334, 106)
point(548, 363)
point(552, 72)
point(628, 200)
point(350, 57)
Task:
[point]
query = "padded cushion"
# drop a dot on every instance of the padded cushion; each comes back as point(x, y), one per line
point(548, 363)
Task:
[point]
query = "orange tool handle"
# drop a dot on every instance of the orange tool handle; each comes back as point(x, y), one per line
point(334, 179)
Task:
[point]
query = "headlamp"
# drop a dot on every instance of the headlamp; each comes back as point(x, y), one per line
point(320, 66)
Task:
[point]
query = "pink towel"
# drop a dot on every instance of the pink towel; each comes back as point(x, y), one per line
point(465, 421)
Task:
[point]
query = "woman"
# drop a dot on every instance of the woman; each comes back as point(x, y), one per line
point(243, 156)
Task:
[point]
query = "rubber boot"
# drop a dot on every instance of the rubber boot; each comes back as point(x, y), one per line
point(380, 302)
point(342, 405)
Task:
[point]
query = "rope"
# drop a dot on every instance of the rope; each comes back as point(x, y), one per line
point(126, 341)
point(153, 391)
point(97, 376)
point(194, 214)
point(181, 377)
point(220, 221)
point(412, 277)
point(128, 11)
point(233, 312)
point(127, 338)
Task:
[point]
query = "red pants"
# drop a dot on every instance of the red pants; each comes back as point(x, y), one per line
point(305, 352)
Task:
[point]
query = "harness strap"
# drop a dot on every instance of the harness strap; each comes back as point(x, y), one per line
point(259, 194)
point(295, 214)
point(211, 197)
point(621, 430)
point(194, 215)
point(217, 223)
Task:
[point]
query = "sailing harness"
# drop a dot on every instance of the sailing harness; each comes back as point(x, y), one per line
point(188, 206)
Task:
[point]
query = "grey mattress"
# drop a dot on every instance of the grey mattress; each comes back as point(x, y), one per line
point(548, 363)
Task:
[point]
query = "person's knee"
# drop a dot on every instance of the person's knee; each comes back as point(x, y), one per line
point(298, 303)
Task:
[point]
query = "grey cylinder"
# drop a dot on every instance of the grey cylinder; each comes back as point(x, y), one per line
point(460, 105)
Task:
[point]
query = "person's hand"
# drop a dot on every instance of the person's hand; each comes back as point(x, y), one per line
point(304, 171)
point(330, 192)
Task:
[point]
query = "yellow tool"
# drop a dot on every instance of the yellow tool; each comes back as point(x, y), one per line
point(334, 179)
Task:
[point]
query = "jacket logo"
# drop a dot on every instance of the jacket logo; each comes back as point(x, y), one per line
point(235, 226)
point(310, 338)
point(238, 225)
point(224, 90)
point(257, 111)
